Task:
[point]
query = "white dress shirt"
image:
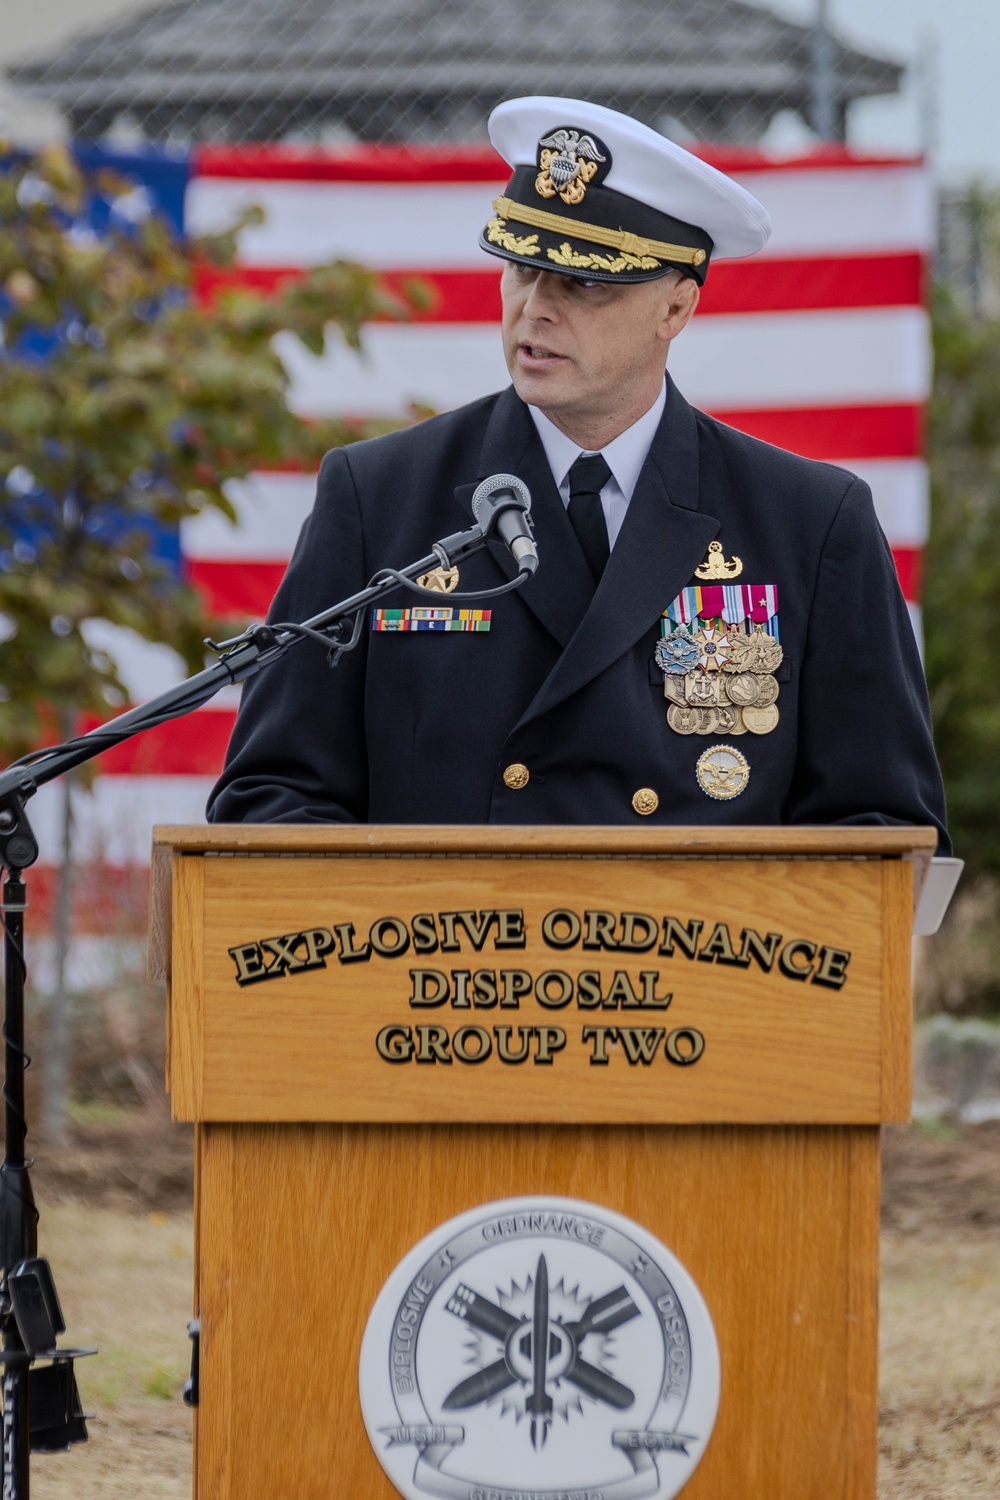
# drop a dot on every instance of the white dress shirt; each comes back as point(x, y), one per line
point(624, 456)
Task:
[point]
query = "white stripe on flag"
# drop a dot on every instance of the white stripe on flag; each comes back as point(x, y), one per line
point(850, 211)
point(917, 621)
point(114, 822)
point(901, 490)
point(270, 508)
point(735, 362)
point(146, 668)
point(94, 961)
point(383, 225)
point(828, 358)
point(853, 211)
point(441, 364)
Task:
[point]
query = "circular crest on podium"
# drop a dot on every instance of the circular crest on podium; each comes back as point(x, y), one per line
point(539, 1348)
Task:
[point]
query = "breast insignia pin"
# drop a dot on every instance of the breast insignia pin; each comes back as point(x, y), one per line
point(722, 772)
point(539, 1347)
point(715, 565)
point(439, 580)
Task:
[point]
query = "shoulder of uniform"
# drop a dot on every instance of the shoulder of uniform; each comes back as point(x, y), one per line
point(777, 467)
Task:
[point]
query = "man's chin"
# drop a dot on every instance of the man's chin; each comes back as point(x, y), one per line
point(548, 389)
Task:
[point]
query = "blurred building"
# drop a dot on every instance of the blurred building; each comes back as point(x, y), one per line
point(334, 71)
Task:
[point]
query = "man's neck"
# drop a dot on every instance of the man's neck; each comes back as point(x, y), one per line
point(594, 431)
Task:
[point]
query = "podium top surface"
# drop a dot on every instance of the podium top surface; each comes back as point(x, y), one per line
point(340, 838)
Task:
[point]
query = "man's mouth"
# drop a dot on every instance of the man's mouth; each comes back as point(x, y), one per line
point(536, 351)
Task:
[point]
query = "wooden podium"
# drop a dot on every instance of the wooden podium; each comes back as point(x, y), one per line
point(376, 1028)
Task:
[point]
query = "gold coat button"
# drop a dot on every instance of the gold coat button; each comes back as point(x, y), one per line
point(645, 801)
point(516, 776)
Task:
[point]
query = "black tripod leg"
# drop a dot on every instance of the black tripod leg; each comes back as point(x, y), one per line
point(19, 1218)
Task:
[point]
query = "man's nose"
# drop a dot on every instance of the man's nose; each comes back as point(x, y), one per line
point(542, 298)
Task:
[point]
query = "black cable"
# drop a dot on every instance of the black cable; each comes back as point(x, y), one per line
point(439, 597)
point(114, 737)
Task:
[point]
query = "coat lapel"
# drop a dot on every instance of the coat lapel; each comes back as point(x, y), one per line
point(663, 539)
point(559, 593)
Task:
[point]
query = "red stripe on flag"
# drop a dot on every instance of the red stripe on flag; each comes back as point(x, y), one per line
point(455, 296)
point(192, 746)
point(236, 588)
point(814, 282)
point(837, 432)
point(475, 163)
point(359, 164)
point(754, 286)
point(910, 571)
point(107, 899)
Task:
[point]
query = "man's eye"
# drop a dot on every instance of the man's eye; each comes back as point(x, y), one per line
point(588, 285)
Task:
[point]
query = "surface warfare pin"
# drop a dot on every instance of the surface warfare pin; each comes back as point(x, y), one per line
point(539, 1346)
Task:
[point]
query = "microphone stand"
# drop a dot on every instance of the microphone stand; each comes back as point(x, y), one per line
point(41, 1407)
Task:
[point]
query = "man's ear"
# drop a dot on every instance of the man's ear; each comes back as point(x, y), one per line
point(681, 300)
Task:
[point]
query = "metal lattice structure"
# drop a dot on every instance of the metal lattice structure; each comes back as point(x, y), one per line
point(335, 71)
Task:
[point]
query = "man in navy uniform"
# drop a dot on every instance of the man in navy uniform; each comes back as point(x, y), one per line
point(715, 633)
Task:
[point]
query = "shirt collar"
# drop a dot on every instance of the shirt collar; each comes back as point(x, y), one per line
point(624, 456)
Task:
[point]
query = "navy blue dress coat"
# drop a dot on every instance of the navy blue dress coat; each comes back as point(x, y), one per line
point(419, 727)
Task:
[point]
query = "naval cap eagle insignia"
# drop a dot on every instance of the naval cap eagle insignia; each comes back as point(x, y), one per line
point(568, 162)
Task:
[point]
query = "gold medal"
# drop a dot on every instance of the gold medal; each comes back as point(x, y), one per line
point(722, 772)
point(761, 720)
point(673, 688)
point(682, 718)
point(702, 690)
point(707, 721)
point(743, 689)
point(757, 652)
point(728, 720)
point(768, 692)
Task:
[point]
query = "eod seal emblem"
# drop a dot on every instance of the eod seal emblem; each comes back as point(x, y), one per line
point(539, 1349)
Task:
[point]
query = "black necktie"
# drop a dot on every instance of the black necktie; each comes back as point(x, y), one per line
point(587, 478)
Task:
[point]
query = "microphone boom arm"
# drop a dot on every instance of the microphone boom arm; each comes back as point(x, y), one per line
point(241, 657)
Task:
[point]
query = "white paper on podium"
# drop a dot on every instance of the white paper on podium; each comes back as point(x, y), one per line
point(935, 898)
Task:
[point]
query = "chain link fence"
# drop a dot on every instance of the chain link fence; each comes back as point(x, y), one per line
point(332, 72)
point(968, 252)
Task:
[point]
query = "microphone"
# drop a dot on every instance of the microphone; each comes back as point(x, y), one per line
point(502, 508)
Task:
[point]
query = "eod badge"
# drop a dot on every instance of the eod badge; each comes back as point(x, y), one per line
point(539, 1349)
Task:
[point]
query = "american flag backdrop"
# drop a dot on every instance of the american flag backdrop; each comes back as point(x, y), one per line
point(820, 344)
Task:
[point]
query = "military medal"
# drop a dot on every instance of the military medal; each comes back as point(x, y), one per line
point(743, 689)
point(729, 720)
point(683, 719)
point(718, 652)
point(722, 772)
point(761, 720)
point(702, 690)
point(677, 653)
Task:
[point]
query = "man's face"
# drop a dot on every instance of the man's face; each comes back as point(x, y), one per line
point(588, 352)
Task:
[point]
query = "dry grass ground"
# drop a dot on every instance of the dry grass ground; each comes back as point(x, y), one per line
point(939, 1375)
point(124, 1278)
point(123, 1265)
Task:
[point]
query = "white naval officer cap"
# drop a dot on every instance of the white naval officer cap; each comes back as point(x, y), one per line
point(597, 195)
